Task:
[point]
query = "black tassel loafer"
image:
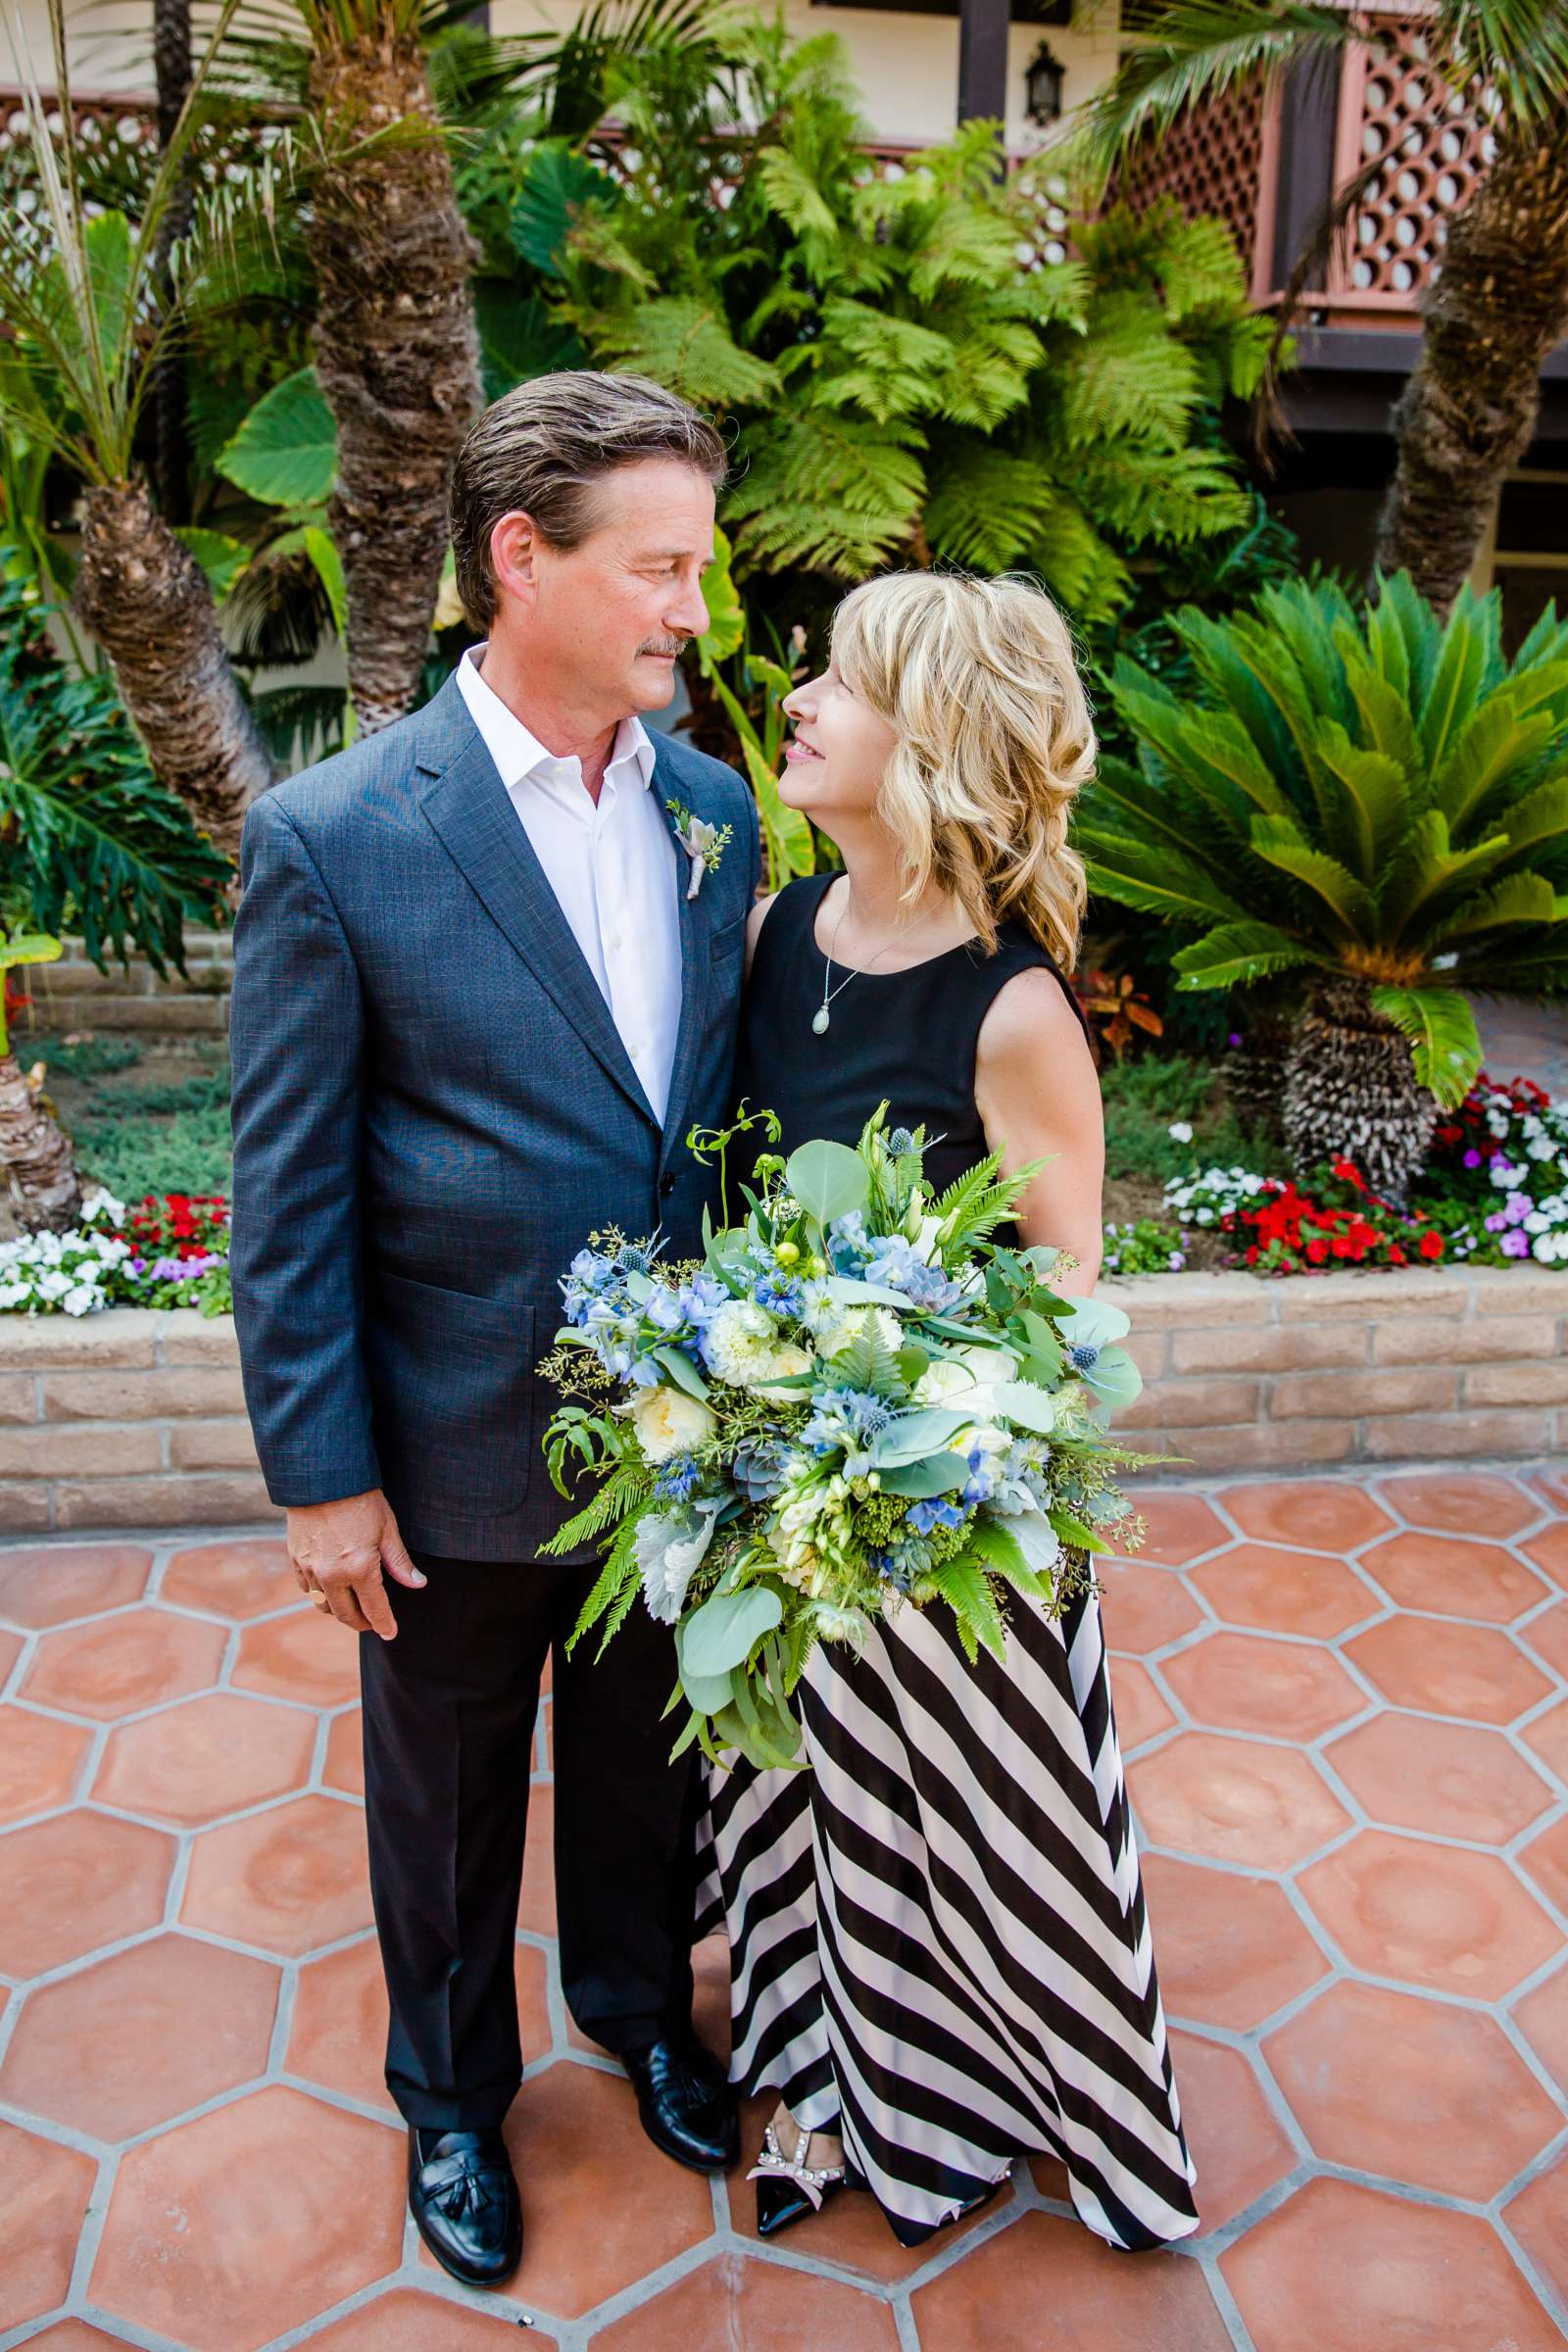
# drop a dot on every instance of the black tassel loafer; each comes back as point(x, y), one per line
point(687, 2107)
point(463, 2198)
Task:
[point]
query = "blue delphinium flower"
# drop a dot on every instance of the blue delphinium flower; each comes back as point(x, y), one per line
point(701, 1300)
point(588, 1277)
point(935, 1510)
point(893, 1261)
point(980, 1484)
point(849, 1246)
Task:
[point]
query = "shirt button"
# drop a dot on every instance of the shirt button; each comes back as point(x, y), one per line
point(666, 1185)
point(615, 939)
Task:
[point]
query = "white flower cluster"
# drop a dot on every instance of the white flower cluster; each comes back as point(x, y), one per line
point(1216, 1193)
point(1529, 1219)
point(63, 1273)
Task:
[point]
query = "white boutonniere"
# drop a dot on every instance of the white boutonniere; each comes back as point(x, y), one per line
point(703, 843)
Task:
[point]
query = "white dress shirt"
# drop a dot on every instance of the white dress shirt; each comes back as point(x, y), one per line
point(611, 865)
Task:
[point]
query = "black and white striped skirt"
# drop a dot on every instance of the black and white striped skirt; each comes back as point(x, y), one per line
point(938, 1941)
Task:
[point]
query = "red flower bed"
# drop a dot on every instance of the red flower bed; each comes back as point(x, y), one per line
point(1289, 1231)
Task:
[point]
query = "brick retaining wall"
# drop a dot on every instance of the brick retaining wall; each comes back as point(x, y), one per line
point(136, 1418)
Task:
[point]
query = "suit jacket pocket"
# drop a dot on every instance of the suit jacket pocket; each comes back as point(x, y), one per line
point(453, 1376)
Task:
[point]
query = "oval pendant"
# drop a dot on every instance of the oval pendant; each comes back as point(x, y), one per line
point(819, 1021)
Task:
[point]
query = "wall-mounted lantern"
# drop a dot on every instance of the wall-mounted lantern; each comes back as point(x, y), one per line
point(1042, 81)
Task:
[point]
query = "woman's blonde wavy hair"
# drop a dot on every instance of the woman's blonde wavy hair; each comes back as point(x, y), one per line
point(978, 681)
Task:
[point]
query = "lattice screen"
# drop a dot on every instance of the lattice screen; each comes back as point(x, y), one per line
point(1437, 144)
point(1211, 161)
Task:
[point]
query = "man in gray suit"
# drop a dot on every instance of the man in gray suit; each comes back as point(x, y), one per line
point(483, 989)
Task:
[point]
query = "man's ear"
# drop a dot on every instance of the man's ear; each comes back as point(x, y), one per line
point(514, 556)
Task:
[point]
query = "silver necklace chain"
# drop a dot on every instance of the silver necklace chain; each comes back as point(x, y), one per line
point(821, 1019)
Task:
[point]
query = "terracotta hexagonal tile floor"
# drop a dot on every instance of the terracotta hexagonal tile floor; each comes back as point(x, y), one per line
point(208, 1756)
point(1236, 1800)
point(1460, 1503)
point(40, 1758)
point(44, 2191)
point(290, 1879)
point(1415, 2089)
point(1285, 1689)
point(299, 1656)
point(232, 1580)
point(1434, 1915)
point(1339, 2267)
point(407, 2321)
point(1467, 1671)
point(1145, 1607)
point(1448, 1779)
point(733, 2302)
point(126, 1663)
point(47, 1585)
point(1284, 1591)
point(1453, 1578)
point(78, 1881)
point(1318, 1514)
point(1385, 2018)
point(1229, 1949)
point(138, 2038)
point(218, 2233)
point(1001, 2296)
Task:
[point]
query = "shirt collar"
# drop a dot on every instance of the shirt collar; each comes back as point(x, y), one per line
point(517, 752)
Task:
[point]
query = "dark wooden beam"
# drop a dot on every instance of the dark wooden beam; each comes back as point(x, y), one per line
point(983, 59)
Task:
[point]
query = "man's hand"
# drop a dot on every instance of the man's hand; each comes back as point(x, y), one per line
point(340, 1549)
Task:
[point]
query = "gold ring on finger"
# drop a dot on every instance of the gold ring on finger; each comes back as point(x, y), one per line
point(318, 1599)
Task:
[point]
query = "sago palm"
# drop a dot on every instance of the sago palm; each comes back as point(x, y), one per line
point(1500, 305)
point(92, 302)
point(1373, 800)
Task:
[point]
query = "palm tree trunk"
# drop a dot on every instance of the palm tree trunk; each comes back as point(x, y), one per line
point(172, 65)
point(38, 1180)
point(1469, 409)
point(397, 356)
point(147, 601)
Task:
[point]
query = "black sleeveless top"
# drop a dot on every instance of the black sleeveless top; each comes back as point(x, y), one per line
point(906, 1039)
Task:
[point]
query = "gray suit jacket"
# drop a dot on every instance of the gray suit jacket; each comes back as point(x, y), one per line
point(432, 1111)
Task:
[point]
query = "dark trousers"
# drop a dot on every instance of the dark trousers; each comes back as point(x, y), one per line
point(449, 1714)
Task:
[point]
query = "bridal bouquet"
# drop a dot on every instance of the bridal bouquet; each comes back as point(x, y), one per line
point(855, 1403)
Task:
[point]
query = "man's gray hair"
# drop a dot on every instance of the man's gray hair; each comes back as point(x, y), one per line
point(541, 450)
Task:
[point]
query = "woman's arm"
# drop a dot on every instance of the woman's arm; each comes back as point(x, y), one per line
point(1038, 1093)
point(753, 924)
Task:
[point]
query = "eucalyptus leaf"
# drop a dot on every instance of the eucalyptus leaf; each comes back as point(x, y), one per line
point(1031, 1407)
point(828, 1180)
point(913, 1435)
point(682, 1372)
point(720, 1636)
point(846, 1290)
point(934, 1474)
point(709, 1694)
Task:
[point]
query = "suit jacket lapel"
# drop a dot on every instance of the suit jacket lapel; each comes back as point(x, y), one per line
point(695, 937)
point(466, 803)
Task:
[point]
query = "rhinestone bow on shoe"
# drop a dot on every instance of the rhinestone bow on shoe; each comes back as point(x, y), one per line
point(813, 2181)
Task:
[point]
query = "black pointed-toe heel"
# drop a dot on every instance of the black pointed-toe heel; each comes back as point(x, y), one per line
point(787, 2193)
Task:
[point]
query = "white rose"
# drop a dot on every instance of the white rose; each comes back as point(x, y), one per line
point(668, 1422)
point(784, 1364)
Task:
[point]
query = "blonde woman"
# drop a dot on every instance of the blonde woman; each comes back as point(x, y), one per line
point(939, 1950)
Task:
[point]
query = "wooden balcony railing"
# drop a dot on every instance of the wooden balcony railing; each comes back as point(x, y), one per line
point(1269, 161)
